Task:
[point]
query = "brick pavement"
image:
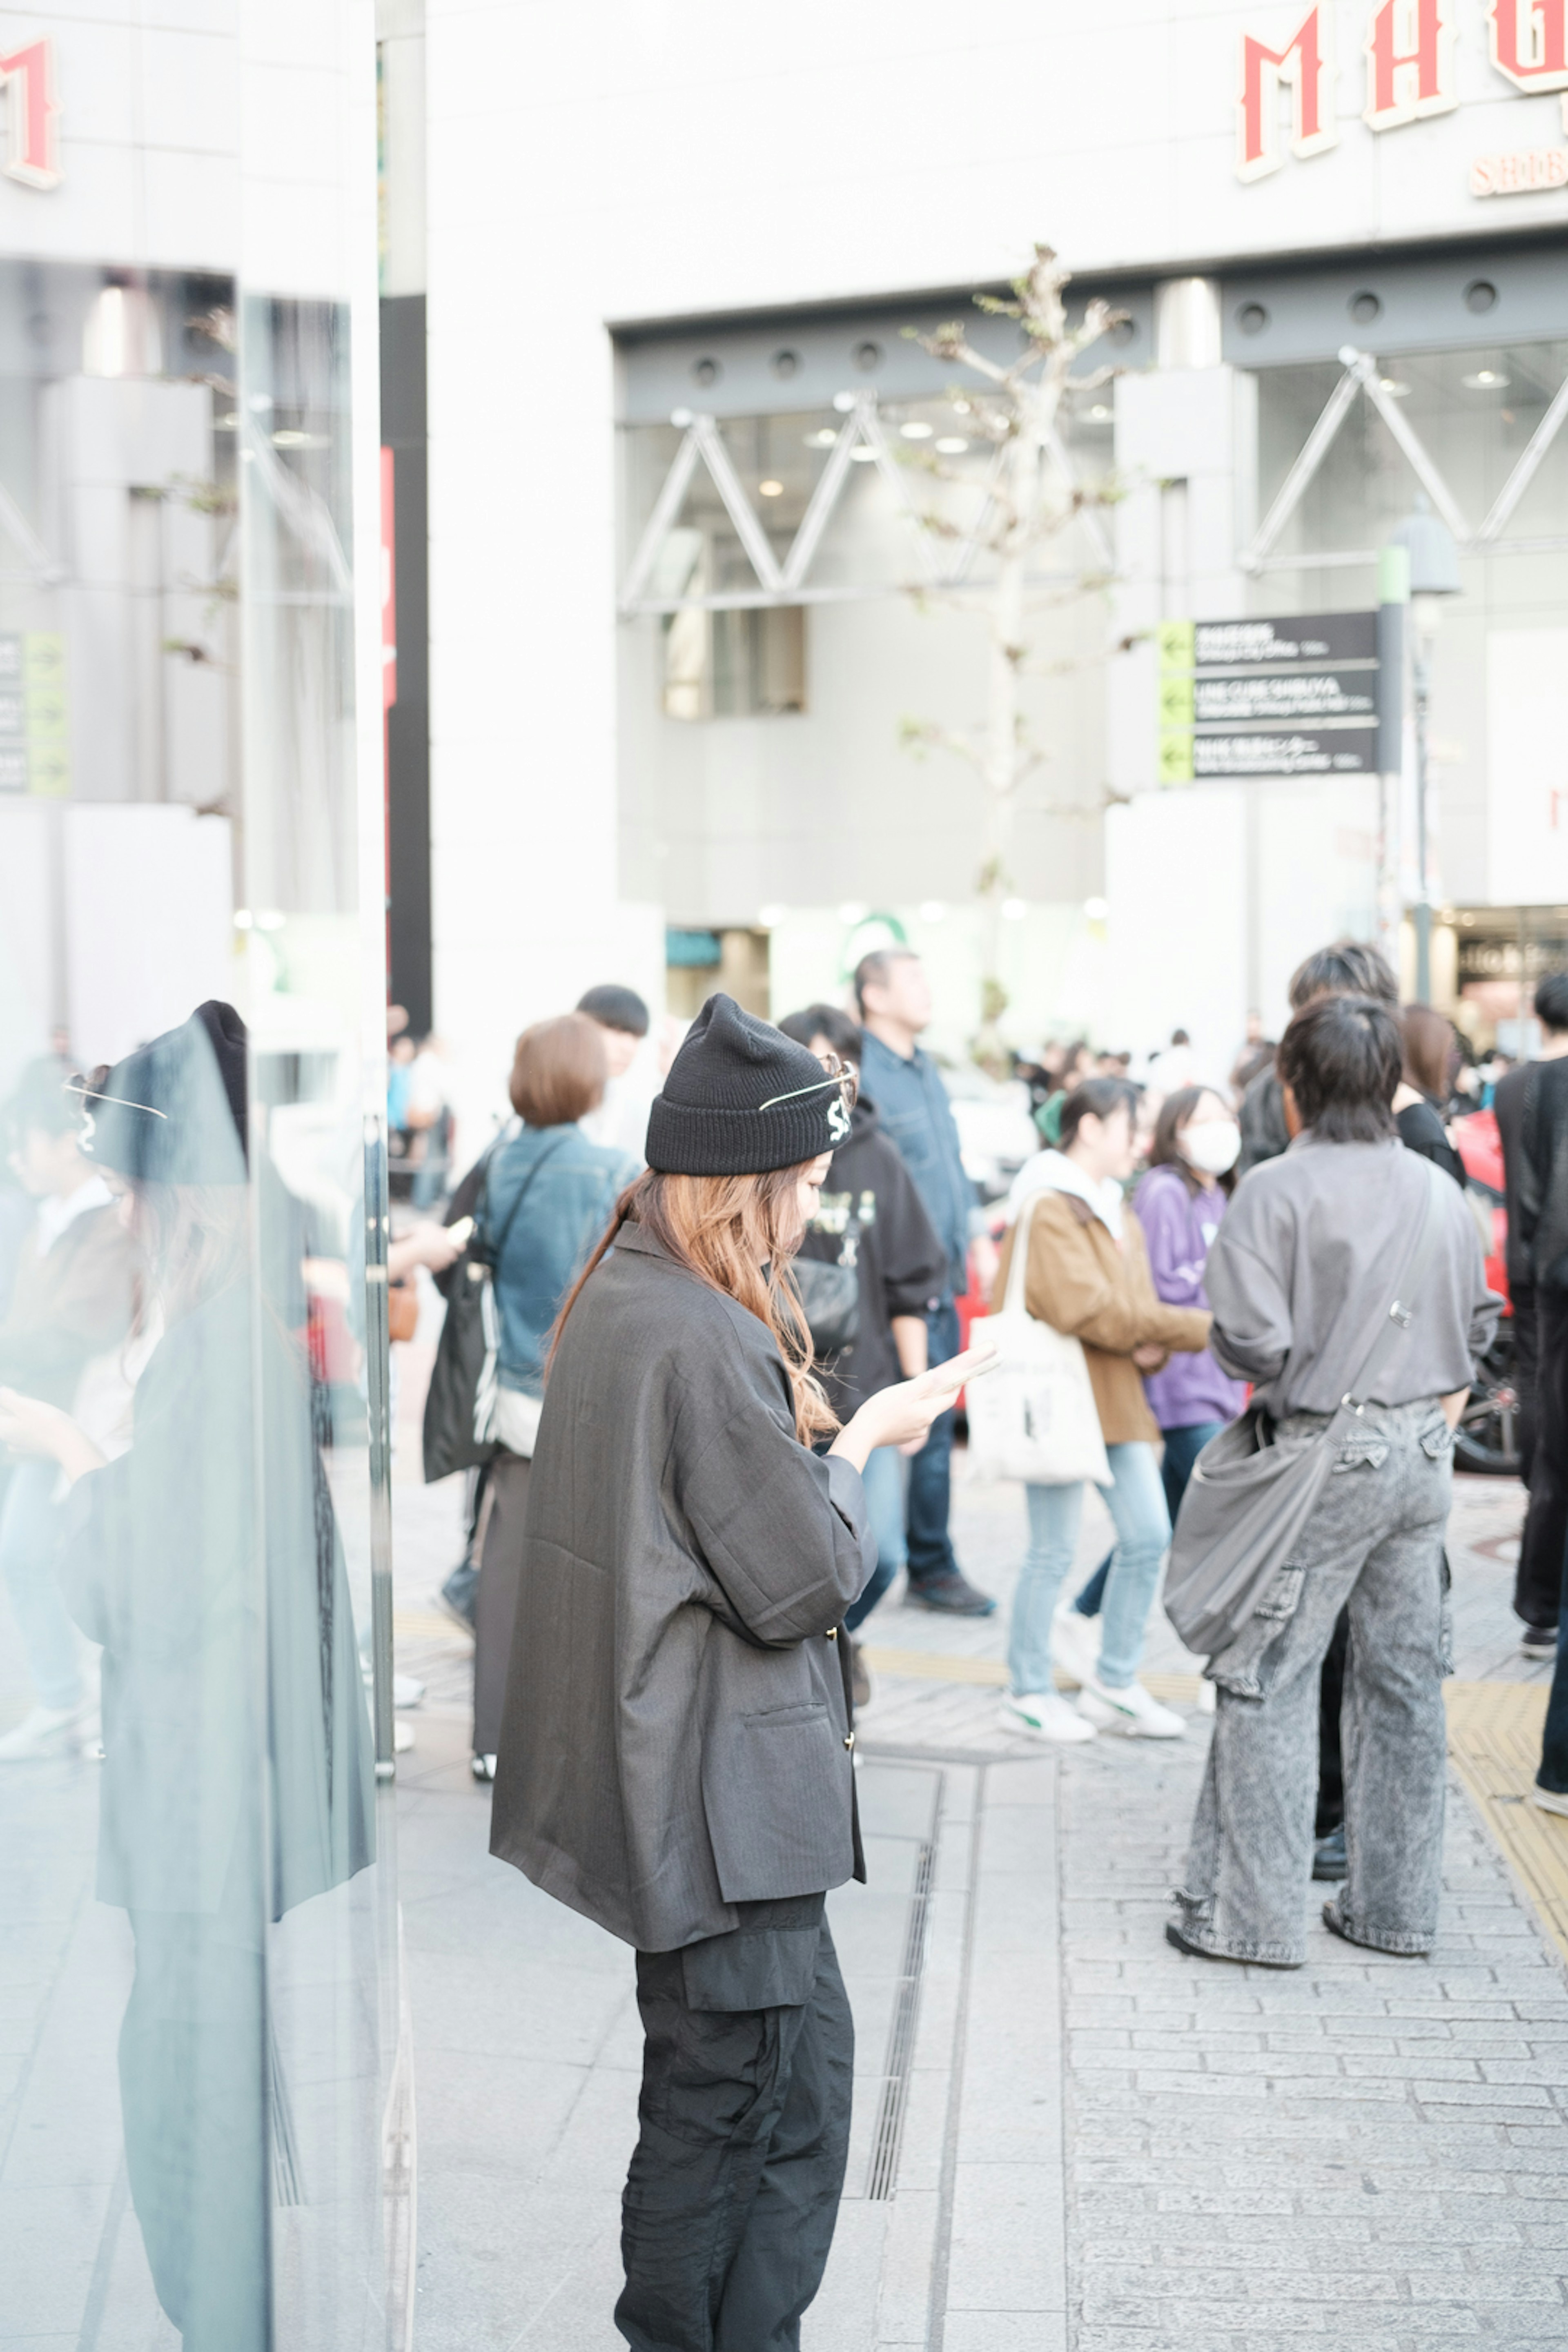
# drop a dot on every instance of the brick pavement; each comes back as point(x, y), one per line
point(1106, 2146)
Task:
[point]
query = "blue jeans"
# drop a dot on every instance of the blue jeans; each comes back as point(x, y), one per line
point(883, 1479)
point(1183, 1447)
point(931, 1552)
point(1143, 1531)
point(30, 1524)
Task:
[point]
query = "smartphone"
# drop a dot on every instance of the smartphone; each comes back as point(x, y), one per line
point(461, 1231)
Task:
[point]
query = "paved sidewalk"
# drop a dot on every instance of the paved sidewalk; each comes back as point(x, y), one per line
point(1067, 2134)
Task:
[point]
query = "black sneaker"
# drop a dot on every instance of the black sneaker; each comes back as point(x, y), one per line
point(951, 1593)
point(1539, 1642)
point(1328, 1858)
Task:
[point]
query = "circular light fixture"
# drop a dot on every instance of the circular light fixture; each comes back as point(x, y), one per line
point(288, 438)
point(1484, 380)
point(706, 371)
point(961, 408)
point(786, 364)
point(844, 402)
point(853, 910)
point(867, 357)
point(1252, 318)
point(951, 445)
point(229, 424)
point(681, 418)
point(1095, 910)
point(770, 918)
point(824, 439)
point(1013, 910)
point(1481, 294)
point(769, 489)
point(1393, 386)
point(1099, 413)
point(861, 455)
point(1365, 306)
point(1123, 331)
point(916, 430)
point(933, 909)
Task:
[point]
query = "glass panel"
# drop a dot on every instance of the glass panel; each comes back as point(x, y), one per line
point(203, 2076)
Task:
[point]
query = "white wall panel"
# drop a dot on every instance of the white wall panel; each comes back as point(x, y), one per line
point(1527, 759)
point(1176, 880)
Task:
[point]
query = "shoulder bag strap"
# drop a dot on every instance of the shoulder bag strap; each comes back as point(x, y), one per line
point(1391, 1330)
point(1018, 1264)
point(494, 1255)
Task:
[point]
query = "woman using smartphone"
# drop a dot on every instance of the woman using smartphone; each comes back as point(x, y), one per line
point(676, 1758)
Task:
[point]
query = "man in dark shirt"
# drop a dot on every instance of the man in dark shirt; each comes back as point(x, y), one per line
point(906, 1086)
point(1532, 1106)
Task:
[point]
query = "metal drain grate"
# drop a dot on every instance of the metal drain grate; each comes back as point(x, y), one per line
point(889, 2130)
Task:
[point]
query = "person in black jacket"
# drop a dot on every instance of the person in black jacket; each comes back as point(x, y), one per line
point(1535, 1595)
point(872, 1218)
point(676, 1758)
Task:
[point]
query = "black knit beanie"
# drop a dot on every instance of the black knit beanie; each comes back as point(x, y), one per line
point(741, 1098)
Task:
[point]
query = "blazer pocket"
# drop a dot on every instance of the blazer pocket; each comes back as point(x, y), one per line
point(778, 1795)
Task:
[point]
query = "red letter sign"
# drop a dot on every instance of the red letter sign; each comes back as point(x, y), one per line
point(29, 76)
point(1410, 62)
point(1306, 62)
point(1528, 42)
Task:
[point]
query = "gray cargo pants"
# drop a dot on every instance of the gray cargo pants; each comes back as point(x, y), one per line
point(1375, 1543)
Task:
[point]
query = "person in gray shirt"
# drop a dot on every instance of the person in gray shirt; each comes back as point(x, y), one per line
point(1305, 1268)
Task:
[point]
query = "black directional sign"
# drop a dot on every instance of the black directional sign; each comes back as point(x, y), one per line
point(1278, 698)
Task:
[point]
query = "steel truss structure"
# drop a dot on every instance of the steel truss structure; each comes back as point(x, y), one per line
point(939, 565)
point(1362, 374)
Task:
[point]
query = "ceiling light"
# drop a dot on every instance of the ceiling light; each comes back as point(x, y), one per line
point(770, 918)
point(860, 454)
point(952, 446)
point(1013, 910)
point(824, 438)
point(288, 438)
point(961, 408)
point(1395, 389)
point(844, 402)
point(1096, 909)
point(933, 909)
point(771, 490)
point(229, 424)
point(1101, 414)
point(853, 910)
point(916, 430)
point(1484, 380)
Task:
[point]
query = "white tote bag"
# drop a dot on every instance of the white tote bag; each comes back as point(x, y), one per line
point(1034, 1417)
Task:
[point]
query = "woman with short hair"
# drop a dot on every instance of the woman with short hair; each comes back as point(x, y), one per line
point(548, 1190)
point(1305, 1272)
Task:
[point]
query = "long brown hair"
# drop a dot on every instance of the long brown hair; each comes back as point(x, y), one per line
point(738, 1234)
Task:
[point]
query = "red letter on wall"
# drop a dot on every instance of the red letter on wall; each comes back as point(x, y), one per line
point(1528, 43)
point(1410, 62)
point(1305, 61)
point(33, 143)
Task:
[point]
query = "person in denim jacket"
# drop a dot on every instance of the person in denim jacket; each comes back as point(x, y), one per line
point(894, 1000)
point(1300, 1277)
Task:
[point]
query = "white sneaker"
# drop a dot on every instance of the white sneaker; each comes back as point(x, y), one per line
point(1130, 1711)
point(1548, 1800)
point(1074, 1642)
point(406, 1691)
point(42, 1733)
point(1045, 1714)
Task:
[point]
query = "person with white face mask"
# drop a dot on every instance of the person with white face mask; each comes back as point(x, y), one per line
point(1179, 1204)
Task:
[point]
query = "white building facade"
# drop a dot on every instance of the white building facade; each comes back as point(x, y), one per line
point(673, 257)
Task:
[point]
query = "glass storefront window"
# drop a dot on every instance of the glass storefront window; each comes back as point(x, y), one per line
point(203, 2080)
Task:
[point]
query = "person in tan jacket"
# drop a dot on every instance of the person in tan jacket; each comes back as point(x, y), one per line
point(1088, 1276)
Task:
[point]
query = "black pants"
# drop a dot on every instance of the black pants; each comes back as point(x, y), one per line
point(1539, 1579)
point(1330, 1761)
point(1526, 1370)
point(192, 2092)
point(495, 1601)
point(733, 2189)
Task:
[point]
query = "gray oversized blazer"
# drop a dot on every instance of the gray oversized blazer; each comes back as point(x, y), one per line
point(677, 1737)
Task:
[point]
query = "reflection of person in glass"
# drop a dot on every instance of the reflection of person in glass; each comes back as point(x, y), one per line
point(73, 1298)
point(237, 1772)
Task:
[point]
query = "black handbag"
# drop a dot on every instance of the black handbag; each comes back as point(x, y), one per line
point(830, 1294)
point(463, 1355)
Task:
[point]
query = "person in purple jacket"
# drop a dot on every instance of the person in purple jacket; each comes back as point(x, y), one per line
point(1179, 1203)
